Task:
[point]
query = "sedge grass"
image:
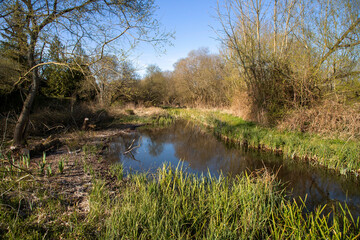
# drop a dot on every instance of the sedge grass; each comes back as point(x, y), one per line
point(178, 205)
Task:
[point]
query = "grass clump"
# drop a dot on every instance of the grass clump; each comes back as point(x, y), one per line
point(117, 171)
point(175, 205)
point(290, 222)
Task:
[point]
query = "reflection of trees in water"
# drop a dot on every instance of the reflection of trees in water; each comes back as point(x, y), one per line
point(204, 151)
point(155, 148)
point(199, 149)
point(122, 144)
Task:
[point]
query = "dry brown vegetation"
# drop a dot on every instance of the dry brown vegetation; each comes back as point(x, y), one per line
point(328, 118)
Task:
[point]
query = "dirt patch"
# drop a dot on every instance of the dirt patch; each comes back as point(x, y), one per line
point(66, 173)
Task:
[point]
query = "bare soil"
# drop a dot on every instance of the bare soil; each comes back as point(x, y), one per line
point(83, 154)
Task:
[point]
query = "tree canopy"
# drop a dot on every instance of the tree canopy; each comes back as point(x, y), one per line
point(28, 26)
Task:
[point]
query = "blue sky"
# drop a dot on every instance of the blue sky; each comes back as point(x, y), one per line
point(191, 21)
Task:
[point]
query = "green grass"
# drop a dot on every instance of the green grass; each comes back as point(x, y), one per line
point(176, 205)
point(337, 154)
point(170, 204)
point(161, 120)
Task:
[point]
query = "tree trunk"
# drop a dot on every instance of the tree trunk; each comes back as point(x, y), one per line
point(23, 121)
point(275, 25)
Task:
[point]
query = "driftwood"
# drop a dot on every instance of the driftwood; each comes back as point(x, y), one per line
point(47, 145)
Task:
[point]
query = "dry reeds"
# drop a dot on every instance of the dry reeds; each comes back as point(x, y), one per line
point(329, 118)
point(47, 120)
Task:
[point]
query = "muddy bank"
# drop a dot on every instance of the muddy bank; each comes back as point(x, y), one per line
point(50, 191)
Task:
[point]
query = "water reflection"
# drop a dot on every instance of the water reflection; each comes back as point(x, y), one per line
point(198, 152)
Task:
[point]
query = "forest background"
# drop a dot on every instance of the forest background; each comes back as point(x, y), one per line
point(292, 64)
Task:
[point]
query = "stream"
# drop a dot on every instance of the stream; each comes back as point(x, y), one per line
point(185, 144)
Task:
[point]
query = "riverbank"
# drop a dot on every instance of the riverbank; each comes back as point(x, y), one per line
point(48, 196)
point(338, 154)
point(169, 205)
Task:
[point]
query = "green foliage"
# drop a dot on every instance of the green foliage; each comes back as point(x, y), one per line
point(170, 204)
point(49, 170)
point(290, 223)
point(163, 120)
point(61, 165)
point(117, 170)
point(173, 204)
point(61, 81)
point(178, 205)
point(42, 164)
point(9, 74)
point(26, 160)
point(14, 43)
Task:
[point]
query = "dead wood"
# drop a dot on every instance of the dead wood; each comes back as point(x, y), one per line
point(45, 146)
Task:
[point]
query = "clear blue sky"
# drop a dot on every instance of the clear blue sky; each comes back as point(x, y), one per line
point(191, 21)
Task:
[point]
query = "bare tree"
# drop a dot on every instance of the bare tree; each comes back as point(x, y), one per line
point(199, 79)
point(105, 70)
point(310, 41)
point(95, 23)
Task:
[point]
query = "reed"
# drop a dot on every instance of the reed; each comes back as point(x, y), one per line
point(170, 204)
point(177, 205)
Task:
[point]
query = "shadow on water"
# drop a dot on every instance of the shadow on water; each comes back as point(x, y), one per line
point(198, 152)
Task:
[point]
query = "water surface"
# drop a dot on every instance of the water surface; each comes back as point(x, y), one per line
point(144, 150)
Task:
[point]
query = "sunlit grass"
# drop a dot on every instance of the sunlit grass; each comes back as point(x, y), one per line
point(173, 204)
point(178, 205)
point(170, 204)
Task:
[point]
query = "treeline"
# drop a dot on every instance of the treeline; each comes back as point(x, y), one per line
point(278, 61)
point(292, 54)
point(197, 80)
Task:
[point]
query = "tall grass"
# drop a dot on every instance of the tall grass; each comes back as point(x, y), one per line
point(168, 205)
point(336, 154)
point(177, 205)
point(290, 222)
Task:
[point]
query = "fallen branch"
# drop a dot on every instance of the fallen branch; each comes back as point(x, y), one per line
point(45, 146)
point(130, 148)
point(133, 157)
